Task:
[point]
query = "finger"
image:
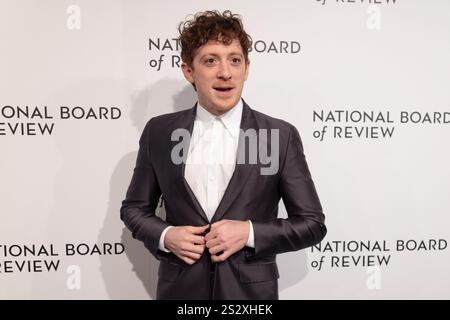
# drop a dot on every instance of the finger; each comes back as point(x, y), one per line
point(188, 260)
point(216, 249)
point(197, 239)
point(211, 235)
point(191, 255)
point(212, 243)
point(197, 230)
point(222, 257)
point(195, 248)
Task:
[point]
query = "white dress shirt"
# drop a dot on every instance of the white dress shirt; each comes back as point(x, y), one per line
point(211, 160)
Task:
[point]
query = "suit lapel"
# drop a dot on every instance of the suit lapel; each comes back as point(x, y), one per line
point(242, 171)
point(187, 122)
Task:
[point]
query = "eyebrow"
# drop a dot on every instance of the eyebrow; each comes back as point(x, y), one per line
point(216, 55)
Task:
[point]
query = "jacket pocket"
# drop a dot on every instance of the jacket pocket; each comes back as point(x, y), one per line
point(169, 271)
point(258, 272)
point(257, 258)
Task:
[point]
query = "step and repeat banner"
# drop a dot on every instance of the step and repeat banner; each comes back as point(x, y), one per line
point(365, 82)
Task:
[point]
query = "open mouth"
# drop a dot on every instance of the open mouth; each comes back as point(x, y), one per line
point(223, 89)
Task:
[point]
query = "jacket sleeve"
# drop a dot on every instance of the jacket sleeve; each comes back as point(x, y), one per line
point(142, 197)
point(304, 226)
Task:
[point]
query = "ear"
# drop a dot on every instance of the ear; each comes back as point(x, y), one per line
point(187, 72)
point(247, 69)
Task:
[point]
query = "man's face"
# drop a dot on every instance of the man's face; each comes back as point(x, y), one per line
point(218, 72)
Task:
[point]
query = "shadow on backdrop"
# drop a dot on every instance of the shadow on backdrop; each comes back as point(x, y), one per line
point(150, 102)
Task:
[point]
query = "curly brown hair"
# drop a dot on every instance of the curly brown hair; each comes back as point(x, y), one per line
point(211, 25)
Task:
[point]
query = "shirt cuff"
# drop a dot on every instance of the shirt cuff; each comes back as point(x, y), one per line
point(251, 237)
point(161, 239)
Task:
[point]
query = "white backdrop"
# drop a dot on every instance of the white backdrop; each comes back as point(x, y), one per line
point(62, 187)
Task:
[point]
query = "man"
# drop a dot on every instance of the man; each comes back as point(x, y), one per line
point(221, 233)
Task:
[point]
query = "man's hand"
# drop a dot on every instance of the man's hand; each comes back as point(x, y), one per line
point(185, 242)
point(228, 236)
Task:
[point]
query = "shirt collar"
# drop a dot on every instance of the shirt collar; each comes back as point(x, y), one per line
point(231, 119)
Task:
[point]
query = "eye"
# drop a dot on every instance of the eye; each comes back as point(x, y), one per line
point(210, 60)
point(236, 60)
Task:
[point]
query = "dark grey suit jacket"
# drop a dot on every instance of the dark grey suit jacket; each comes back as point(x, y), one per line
point(250, 273)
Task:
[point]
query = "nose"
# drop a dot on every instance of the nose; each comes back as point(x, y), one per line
point(224, 72)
